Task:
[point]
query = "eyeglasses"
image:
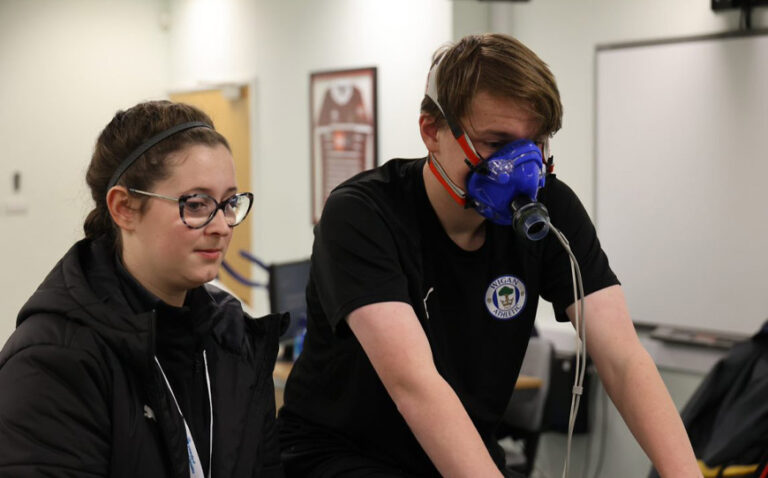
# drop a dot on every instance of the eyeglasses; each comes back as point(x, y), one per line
point(197, 210)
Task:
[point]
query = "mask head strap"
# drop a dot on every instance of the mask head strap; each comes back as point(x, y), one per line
point(146, 145)
point(473, 158)
point(456, 192)
point(548, 158)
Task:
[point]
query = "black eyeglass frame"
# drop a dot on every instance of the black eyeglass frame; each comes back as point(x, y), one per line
point(184, 198)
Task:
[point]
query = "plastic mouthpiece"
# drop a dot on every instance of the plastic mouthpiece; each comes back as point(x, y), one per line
point(530, 219)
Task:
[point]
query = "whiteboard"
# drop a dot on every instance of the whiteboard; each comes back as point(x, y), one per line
point(681, 143)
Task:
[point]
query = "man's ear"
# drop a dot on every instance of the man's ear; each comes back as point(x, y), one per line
point(123, 207)
point(428, 127)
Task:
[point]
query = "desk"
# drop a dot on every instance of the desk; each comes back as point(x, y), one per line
point(283, 368)
point(526, 382)
point(280, 375)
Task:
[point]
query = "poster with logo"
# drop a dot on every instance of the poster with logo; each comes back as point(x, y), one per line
point(343, 129)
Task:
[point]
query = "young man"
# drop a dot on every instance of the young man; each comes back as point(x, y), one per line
point(420, 308)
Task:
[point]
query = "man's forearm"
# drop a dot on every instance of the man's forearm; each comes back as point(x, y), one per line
point(443, 428)
point(635, 386)
point(643, 401)
point(395, 342)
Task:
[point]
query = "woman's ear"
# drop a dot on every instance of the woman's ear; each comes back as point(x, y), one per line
point(428, 127)
point(123, 207)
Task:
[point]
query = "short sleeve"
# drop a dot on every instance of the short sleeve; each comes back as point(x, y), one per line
point(355, 258)
point(569, 216)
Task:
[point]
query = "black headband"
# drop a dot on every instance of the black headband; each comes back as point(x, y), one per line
point(127, 162)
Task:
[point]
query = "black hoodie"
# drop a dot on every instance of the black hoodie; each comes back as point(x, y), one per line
point(82, 396)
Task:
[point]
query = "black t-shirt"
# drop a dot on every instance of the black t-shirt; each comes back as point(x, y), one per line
point(380, 240)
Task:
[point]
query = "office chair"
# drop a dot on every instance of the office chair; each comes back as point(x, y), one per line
point(524, 416)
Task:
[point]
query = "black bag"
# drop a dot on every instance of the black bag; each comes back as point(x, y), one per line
point(727, 416)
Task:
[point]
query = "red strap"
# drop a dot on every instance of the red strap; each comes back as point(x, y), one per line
point(468, 151)
point(462, 202)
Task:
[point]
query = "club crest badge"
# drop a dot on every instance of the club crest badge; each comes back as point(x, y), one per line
point(505, 297)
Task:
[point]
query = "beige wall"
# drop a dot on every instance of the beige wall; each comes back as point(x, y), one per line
point(68, 66)
point(65, 68)
point(274, 45)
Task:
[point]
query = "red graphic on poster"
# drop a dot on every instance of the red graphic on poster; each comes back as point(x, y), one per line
point(343, 129)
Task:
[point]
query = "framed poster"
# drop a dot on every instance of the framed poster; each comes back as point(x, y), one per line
point(343, 129)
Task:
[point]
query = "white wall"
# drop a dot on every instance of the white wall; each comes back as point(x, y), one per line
point(66, 68)
point(275, 45)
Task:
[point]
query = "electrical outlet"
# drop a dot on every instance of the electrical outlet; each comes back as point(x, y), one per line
point(16, 206)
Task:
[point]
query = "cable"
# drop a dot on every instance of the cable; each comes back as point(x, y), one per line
point(581, 362)
point(581, 342)
point(239, 277)
point(254, 259)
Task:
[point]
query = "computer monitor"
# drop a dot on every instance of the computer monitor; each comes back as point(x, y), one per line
point(287, 288)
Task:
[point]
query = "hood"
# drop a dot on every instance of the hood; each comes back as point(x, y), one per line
point(83, 287)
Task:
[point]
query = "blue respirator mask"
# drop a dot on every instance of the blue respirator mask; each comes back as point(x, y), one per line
point(502, 188)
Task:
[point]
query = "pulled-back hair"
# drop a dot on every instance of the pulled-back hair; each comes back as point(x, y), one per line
point(127, 130)
point(500, 66)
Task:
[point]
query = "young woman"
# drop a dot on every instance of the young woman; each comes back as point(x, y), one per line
point(123, 363)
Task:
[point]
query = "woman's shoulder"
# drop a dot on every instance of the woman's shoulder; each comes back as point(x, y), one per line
point(272, 325)
point(48, 331)
point(48, 350)
point(236, 317)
